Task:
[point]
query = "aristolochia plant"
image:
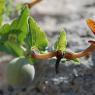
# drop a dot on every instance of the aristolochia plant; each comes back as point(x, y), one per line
point(23, 38)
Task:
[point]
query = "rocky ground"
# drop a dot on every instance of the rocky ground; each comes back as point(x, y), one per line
point(73, 79)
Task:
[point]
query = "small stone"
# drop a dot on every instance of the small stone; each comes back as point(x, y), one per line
point(10, 89)
point(24, 89)
point(1, 92)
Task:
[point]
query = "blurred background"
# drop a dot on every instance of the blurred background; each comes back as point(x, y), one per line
point(53, 15)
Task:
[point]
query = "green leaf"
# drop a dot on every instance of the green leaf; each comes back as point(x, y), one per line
point(4, 30)
point(61, 42)
point(3, 48)
point(63, 60)
point(12, 36)
point(0, 19)
point(36, 37)
point(14, 49)
point(11, 48)
point(75, 60)
point(2, 4)
point(20, 25)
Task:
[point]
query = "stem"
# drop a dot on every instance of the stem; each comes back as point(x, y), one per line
point(34, 2)
point(67, 55)
point(91, 48)
point(43, 56)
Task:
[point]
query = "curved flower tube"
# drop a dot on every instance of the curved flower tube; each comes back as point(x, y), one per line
point(91, 24)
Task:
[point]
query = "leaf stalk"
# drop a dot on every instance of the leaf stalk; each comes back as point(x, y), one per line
point(67, 55)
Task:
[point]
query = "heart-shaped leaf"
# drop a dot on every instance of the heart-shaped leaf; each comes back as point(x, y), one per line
point(36, 37)
point(61, 42)
point(20, 25)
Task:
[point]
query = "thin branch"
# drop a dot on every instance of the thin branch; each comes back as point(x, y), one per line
point(67, 55)
point(34, 2)
point(43, 56)
point(86, 52)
